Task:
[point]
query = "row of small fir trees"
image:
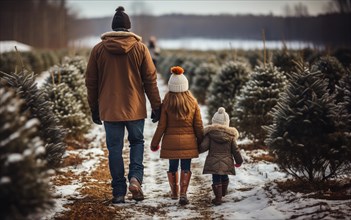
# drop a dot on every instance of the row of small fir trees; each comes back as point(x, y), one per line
point(36, 123)
point(298, 105)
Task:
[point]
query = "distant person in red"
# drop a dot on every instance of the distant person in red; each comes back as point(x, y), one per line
point(154, 49)
point(119, 73)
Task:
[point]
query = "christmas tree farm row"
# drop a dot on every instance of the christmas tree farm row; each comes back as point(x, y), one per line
point(296, 103)
point(37, 124)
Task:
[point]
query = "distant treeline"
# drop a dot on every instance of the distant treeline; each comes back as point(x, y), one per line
point(40, 24)
point(329, 29)
point(50, 24)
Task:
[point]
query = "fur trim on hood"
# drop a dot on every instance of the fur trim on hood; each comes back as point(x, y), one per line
point(120, 34)
point(221, 132)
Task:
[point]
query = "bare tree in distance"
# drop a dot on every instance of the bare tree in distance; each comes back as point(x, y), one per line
point(297, 10)
point(338, 6)
point(142, 19)
point(41, 24)
point(301, 10)
point(287, 11)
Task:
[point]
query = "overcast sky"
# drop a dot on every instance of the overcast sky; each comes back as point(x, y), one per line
point(102, 8)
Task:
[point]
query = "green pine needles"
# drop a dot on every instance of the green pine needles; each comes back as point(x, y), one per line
point(36, 101)
point(202, 80)
point(305, 135)
point(226, 86)
point(24, 187)
point(257, 98)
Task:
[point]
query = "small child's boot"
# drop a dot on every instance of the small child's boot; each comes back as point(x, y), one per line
point(225, 187)
point(217, 190)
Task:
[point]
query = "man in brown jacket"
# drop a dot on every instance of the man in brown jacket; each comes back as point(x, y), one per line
point(119, 73)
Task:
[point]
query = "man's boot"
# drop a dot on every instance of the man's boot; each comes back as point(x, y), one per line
point(184, 183)
point(135, 189)
point(225, 187)
point(217, 190)
point(173, 183)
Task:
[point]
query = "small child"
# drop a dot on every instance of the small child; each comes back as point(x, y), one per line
point(220, 141)
point(181, 130)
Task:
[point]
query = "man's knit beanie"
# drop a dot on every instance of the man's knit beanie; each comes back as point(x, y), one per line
point(120, 20)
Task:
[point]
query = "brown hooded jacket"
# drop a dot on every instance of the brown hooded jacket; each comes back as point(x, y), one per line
point(119, 73)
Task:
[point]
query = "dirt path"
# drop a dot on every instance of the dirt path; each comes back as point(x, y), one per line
point(93, 201)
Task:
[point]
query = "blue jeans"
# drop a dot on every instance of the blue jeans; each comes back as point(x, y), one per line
point(115, 144)
point(184, 165)
point(219, 178)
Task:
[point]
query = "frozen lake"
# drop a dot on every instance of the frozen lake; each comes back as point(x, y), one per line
point(207, 44)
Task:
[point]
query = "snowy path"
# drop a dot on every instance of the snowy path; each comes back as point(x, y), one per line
point(252, 193)
point(156, 188)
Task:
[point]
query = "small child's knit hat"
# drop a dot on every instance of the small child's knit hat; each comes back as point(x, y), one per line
point(178, 82)
point(221, 117)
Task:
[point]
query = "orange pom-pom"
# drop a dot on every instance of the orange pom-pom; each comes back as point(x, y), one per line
point(177, 70)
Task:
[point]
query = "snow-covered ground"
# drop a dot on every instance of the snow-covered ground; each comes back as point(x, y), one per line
point(7, 46)
point(252, 192)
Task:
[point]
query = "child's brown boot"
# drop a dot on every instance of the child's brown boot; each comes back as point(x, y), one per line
point(184, 183)
point(217, 190)
point(225, 187)
point(173, 183)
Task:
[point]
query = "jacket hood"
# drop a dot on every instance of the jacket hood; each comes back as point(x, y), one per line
point(221, 133)
point(119, 42)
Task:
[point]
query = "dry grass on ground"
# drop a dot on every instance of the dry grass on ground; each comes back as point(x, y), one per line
point(95, 194)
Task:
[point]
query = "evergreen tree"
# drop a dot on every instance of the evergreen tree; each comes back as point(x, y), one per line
point(304, 134)
point(168, 61)
point(226, 86)
point(189, 67)
point(343, 54)
point(258, 96)
point(24, 187)
point(75, 80)
point(78, 61)
point(310, 55)
point(68, 110)
point(332, 70)
point(343, 113)
point(202, 80)
point(285, 60)
point(50, 131)
point(345, 87)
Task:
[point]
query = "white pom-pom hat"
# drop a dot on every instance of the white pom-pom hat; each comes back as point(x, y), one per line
point(221, 117)
point(178, 82)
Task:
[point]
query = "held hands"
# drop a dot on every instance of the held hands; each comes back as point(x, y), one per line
point(237, 165)
point(155, 148)
point(155, 115)
point(96, 116)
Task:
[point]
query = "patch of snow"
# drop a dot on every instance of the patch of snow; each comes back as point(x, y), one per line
point(14, 158)
point(5, 180)
point(40, 150)
point(40, 79)
point(7, 46)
